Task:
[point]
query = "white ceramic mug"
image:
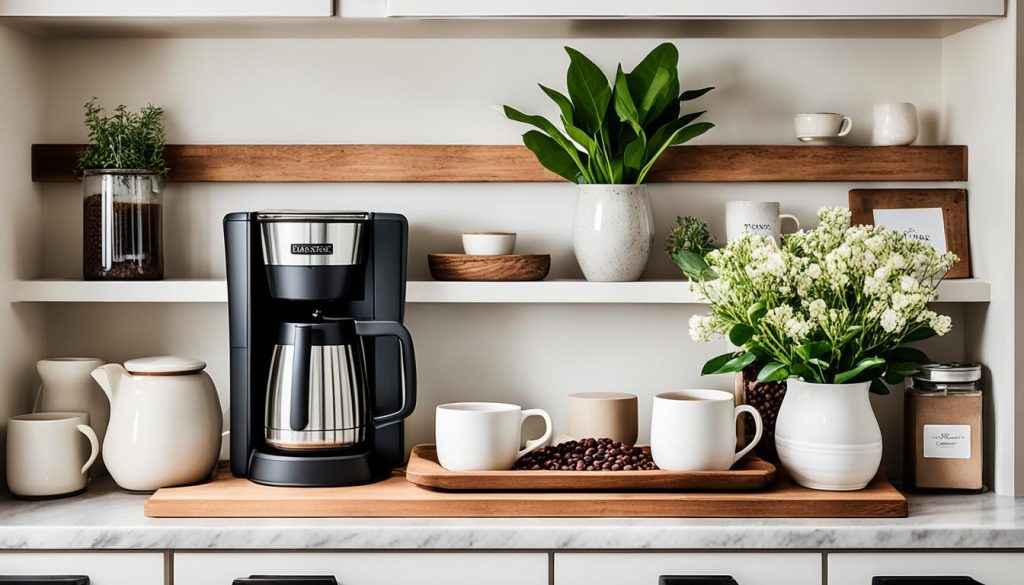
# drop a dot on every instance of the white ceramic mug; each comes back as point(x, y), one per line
point(821, 127)
point(46, 455)
point(695, 430)
point(755, 217)
point(895, 124)
point(488, 243)
point(483, 436)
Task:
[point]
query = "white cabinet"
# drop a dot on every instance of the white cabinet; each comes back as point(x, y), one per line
point(989, 568)
point(167, 8)
point(367, 568)
point(103, 568)
point(645, 568)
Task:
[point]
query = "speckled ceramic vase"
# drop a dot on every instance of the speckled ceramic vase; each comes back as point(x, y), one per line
point(612, 231)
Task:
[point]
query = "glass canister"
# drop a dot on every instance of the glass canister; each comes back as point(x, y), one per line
point(122, 232)
point(943, 428)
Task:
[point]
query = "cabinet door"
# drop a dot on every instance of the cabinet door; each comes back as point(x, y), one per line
point(102, 568)
point(646, 568)
point(215, 568)
point(986, 568)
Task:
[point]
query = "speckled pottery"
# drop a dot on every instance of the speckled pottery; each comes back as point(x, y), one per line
point(612, 231)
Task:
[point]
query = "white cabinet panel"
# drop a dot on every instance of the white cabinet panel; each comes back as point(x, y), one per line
point(987, 568)
point(101, 567)
point(162, 8)
point(645, 568)
point(367, 568)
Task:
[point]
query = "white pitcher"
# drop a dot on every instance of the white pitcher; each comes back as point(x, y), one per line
point(67, 387)
point(165, 422)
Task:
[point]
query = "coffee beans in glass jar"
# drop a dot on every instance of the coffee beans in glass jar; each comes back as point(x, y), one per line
point(766, 397)
point(122, 233)
point(587, 455)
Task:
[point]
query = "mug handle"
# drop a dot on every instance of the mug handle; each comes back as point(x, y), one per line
point(536, 443)
point(94, 445)
point(790, 217)
point(845, 126)
point(758, 428)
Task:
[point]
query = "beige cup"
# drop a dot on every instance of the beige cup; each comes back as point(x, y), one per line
point(603, 414)
point(46, 454)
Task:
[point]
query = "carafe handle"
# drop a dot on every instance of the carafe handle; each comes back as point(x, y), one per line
point(302, 348)
point(394, 329)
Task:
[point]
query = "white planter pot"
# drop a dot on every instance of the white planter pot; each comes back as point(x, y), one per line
point(612, 231)
point(827, 435)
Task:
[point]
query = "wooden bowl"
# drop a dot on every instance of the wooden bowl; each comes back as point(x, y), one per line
point(493, 268)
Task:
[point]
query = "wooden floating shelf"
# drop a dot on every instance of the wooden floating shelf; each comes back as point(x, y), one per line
point(968, 290)
point(395, 163)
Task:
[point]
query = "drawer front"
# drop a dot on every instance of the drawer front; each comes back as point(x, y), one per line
point(216, 568)
point(986, 568)
point(645, 568)
point(102, 568)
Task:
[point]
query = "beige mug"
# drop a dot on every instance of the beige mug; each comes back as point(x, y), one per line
point(598, 415)
point(46, 456)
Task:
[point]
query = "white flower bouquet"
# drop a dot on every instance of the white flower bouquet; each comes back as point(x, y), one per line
point(831, 305)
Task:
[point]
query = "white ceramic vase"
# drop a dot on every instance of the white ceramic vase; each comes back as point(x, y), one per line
point(68, 387)
point(827, 435)
point(612, 231)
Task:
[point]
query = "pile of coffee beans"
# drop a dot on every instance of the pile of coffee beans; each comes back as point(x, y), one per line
point(588, 455)
point(135, 240)
point(766, 397)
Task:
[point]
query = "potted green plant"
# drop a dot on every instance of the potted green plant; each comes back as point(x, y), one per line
point(123, 173)
point(690, 236)
point(830, 311)
point(612, 133)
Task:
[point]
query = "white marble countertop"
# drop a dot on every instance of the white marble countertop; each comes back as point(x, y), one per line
point(107, 518)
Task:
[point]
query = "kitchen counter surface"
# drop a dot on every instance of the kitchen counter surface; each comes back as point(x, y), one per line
point(107, 518)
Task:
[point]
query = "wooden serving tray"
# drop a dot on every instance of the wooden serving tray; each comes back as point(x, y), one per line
point(232, 497)
point(512, 267)
point(751, 473)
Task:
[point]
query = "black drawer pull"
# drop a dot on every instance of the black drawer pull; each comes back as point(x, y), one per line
point(696, 580)
point(287, 580)
point(924, 581)
point(44, 580)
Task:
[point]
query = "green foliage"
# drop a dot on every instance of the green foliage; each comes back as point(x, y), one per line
point(124, 139)
point(613, 131)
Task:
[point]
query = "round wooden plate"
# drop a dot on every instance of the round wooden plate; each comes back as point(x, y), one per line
point(494, 268)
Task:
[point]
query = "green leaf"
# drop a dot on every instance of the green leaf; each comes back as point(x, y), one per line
point(919, 334)
point(561, 101)
point(588, 90)
point(624, 105)
point(634, 155)
point(552, 156)
point(812, 349)
point(740, 334)
point(662, 61)
point(692, 94)
point(878, 387)
point(693, 265)
point(737, 363)
point(862, 366)
point(678, 137)
point(904, 369)
point(716, 362)
point(819, 362)
point(549, 128)
point(907, 354)
point(581, 137)
point(656, 93)
point(773, 372)
point(892, 377)
point(756, 311)
point(664, 133)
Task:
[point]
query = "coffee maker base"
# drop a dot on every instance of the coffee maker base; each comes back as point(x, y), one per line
point(314, 471)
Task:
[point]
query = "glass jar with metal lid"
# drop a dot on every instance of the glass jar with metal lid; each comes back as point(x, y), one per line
point(943, 428)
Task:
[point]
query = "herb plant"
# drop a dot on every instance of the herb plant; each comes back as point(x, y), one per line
point(124, 139)
point(689, 236)
point(614, 132)
point(832, 305)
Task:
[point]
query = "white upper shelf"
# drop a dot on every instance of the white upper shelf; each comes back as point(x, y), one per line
point(166, 8)
point(970, 290)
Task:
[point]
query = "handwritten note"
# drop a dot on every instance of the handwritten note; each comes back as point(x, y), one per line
point(924, 225)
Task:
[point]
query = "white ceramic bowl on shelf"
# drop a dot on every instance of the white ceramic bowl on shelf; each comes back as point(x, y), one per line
point(488, 243)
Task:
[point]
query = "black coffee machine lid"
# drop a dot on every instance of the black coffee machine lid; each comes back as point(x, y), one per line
point(311, 215)
point(335, 332)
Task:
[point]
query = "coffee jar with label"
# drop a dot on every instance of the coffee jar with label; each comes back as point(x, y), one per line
point(943, 429)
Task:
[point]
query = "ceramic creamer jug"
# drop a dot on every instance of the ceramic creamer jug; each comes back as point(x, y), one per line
point(165, 422)
point(67, 387)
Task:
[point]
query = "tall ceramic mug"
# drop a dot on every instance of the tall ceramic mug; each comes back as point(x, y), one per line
point(755, 217)
point(484, 436)
point(49, 453)
point(695, 430)
point(895, 124)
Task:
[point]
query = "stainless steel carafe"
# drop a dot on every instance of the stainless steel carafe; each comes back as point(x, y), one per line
point(318, 394)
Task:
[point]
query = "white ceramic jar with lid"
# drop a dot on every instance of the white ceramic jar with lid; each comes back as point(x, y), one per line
point(165, 422)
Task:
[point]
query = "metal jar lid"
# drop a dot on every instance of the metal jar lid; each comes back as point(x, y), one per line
point(951, 372)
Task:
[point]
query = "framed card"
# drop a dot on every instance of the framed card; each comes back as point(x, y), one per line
point(935, 216)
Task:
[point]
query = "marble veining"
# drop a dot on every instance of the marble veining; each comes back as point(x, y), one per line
point(106, 518)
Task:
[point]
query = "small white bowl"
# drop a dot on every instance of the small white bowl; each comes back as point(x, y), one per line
point(488, 243)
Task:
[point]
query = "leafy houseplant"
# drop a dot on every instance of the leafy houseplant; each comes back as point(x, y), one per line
point(830, 308)
point(690, 236)
point(612, 133)
point(123, 171)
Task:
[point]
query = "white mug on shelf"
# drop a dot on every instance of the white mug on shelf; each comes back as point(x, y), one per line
point(484, 436)
point(695, 430)
point(47, 455)
point(821, 128)
point(895, 124)
point(755, 217)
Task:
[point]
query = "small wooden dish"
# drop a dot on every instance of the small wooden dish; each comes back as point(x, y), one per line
point(751, 473)
point(512, 267)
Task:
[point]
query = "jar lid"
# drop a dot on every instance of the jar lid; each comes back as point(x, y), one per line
point(164, 365)
point(950, 372)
